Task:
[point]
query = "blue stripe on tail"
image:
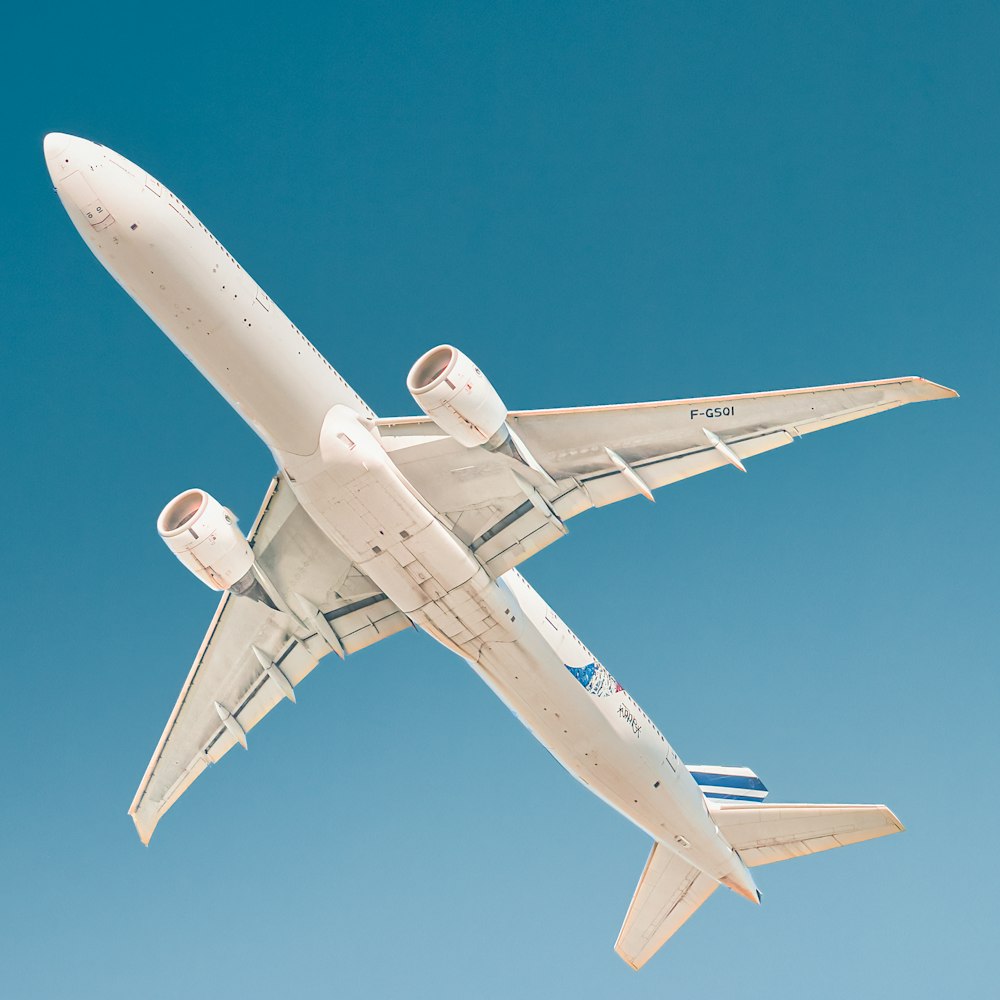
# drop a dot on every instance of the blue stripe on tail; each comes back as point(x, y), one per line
point(738, 783)
point(729, 780)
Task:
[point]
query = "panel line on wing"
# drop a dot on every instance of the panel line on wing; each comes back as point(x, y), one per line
point(347, 609)
point(504, 522)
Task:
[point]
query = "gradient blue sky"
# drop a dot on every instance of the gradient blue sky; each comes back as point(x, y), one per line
point(599, 203)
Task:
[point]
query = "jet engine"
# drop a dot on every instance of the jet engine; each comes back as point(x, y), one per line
point(203, 535)
point(458, 397)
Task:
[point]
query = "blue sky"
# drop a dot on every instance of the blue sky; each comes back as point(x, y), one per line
point(599, 203)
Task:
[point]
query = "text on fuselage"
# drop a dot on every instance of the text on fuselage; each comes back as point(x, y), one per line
point(629, 718)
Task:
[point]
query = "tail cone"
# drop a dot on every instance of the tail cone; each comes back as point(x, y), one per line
point(741, 881)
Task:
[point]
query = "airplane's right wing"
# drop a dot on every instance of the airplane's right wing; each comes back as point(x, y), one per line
point(669, 891)
point(591, 456)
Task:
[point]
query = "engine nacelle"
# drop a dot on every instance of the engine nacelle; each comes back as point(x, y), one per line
point(457, 396)
point(203, 535)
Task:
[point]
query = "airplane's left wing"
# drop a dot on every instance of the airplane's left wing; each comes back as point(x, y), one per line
point(591, 456)
point(253, 656)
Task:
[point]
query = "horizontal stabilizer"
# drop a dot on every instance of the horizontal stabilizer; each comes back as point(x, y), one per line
point(669, 891)
point(778, 831)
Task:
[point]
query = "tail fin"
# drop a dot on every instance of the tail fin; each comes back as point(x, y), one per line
point(728, 783)
point(778, 831)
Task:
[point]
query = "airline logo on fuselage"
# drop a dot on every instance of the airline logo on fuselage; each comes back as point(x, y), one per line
point(595, 679)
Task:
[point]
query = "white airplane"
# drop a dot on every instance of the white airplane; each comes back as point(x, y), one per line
point(373, 525)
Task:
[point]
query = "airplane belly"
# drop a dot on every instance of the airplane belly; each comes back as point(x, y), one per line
point(511, 637)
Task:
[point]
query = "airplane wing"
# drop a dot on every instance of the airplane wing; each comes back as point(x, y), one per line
point(593, 456)
point(669, 891)
point(232, 686)
point(765, 833)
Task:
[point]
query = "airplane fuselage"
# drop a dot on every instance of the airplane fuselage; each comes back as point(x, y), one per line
point(325, 440)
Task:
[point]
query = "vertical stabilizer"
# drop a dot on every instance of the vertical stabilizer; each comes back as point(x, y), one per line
point(738, 784)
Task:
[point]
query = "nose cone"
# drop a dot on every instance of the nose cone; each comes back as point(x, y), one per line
point(54, 143)
point(65, 154)
point(54, 146)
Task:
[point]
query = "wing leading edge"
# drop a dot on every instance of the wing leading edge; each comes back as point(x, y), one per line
point(253, 656)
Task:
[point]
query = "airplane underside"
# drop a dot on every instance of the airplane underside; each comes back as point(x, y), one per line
point(372, 526)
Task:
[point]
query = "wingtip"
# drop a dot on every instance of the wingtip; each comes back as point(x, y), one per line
point(894, 819)
point(145, 833)
point(937, 391)
point(628, 960)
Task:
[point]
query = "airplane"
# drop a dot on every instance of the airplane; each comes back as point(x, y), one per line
point(373, 525)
